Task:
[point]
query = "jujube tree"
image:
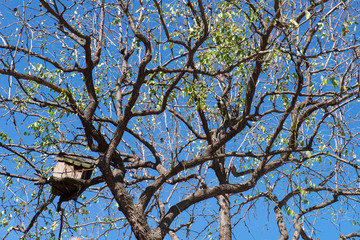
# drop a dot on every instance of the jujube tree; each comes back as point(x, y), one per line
point(197, 115)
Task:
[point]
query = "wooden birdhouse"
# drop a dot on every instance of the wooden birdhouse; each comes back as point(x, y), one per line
point(68, 169)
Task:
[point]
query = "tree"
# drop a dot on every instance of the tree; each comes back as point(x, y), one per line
point(198, 114)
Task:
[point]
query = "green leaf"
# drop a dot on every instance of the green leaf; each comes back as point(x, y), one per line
point(333, 81)
point(296, 25)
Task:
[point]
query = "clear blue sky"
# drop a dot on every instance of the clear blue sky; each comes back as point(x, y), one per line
point(259, 222)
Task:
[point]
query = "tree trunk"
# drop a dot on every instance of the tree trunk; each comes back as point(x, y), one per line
point(224, 217)
point(223, 199)
point(136, 218)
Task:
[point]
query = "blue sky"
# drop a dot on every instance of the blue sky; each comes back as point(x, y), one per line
point(259, 223)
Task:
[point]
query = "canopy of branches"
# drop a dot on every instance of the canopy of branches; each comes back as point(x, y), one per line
point(205, 119)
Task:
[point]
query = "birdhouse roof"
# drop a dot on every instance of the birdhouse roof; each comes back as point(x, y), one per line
point(77, 161)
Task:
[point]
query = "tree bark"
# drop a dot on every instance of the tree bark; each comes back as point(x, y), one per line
point(133, 214)
point(224, 217)
point(223, 199)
